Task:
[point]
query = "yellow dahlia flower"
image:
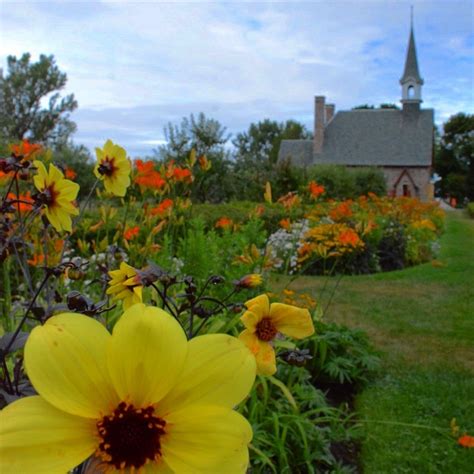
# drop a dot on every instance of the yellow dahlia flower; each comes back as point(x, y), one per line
point(143, 399)
point(125, 285)
point(57, 195)
point(113, 168)
point(263, 322)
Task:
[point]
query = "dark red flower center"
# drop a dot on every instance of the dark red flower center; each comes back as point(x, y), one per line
point(48, 196)
point(266, 330)
point(107, 166)
point(130, 437)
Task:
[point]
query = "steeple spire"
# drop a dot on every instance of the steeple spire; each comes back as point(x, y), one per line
point(411, 62)
point(411, 80)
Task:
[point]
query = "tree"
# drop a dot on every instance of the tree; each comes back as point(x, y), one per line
point(22, 93)
point(454, 158)
point(261, 143)
point(381, 106)
point(207, 136)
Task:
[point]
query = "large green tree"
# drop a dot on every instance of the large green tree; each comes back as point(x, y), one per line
point(454, 159)
point(261, 143)
point(206, 135)
point(24, 90)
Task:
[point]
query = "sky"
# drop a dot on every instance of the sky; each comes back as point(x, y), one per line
point(136, 66)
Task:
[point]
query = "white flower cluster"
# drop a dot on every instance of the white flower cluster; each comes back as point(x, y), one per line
point(284, 246)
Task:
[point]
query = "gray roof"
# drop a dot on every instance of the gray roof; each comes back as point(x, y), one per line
point(300, 152)
point(411, 62)
point(379, 137)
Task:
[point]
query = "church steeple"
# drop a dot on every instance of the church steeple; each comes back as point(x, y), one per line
point(411, 80)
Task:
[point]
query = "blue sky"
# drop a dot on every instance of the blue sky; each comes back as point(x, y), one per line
point(135, 66)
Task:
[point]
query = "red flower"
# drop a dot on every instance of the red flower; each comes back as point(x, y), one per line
point(349, 237)
point(162, 208)
point(131, 233)
point(224, 223)
point(466, 441)
point(25, 149)
point(69, 173)
point(286, 224)
point(182, 174)
point(147, 176)
point(315, 189)
point(23, 202)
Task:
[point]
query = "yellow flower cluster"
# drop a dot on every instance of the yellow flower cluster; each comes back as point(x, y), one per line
point(329, 240)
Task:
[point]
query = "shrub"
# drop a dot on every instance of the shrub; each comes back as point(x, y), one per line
point(470, 209)
point(341, 182)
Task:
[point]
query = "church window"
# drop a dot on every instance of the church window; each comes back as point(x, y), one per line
point(411, 92)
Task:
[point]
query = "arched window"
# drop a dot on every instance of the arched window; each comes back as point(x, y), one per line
point(411, 92)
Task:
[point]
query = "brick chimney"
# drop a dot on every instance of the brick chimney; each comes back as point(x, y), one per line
point(330, 109)
point(319, 123)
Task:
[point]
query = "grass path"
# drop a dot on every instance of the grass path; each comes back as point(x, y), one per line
point(422, 320)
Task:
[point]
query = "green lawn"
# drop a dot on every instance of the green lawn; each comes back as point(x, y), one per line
point(422, 320)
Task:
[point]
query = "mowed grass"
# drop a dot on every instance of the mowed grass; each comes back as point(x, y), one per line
point(422, 320)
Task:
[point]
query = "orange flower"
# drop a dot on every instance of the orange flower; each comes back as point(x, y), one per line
point(69, 173)
point(25, 149)
point(285, 224)
point(224, 223)
point(144, 167)
point(163, 208)
point(466, 441)
point(349, 237)
point(38, 259)
point(131, 233)
point(289, 200)
point(259, 210)
point(341, 211)
point(147, 176)
point(23, 202)
point(182, 174)
point(315, 189)
point(4, 176)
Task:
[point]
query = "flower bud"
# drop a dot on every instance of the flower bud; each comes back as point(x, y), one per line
point(250, 281)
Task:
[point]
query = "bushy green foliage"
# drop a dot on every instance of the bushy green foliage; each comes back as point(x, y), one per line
point(341, 182)
point(239, 212)
point(341, 355)
point(470, 209)
point(454, 158)
point(294, 426)
point(78, 159)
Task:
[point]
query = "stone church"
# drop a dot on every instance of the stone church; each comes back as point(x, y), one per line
point(400, 142)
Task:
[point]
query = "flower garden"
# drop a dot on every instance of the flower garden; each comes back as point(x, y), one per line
point(142, 332)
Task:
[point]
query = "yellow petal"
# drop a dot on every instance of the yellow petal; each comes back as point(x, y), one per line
point(291, 320)
point(37, 438)
point(55, 174)
point(202, 438)
point(66, 362)
point(260, 305)
point(53, 218)
point(158, 467)
point(263, 352)
point(146, 354)
point(250, 319)
point(219, 369)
